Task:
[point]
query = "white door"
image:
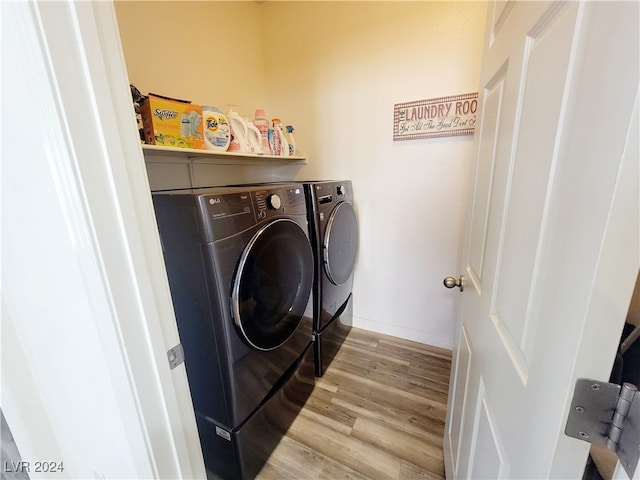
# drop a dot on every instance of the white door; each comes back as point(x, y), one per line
point(553, 246)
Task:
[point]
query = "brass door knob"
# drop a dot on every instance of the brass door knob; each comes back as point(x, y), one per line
point(451, 282)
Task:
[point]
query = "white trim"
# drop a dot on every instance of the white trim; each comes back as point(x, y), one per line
point(164, 394)
point(403, 332)
point(88, 134)
point(613, 283)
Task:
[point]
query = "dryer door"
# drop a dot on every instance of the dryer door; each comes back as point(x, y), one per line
point(340, 244)
point(272, 284)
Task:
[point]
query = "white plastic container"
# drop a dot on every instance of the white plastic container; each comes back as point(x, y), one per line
point(254, 138)
point(282, 146)
point(288, 134)
point(274, 142)
point(261, 122)
point(216, 129)
point(239, 132)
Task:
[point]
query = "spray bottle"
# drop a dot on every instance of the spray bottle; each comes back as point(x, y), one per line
point(288, 134)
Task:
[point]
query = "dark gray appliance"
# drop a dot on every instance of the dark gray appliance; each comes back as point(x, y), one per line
point(334, 235)
point(240, 268)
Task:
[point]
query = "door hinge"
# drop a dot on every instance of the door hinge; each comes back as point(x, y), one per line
point(175, 356)
point(607, 414)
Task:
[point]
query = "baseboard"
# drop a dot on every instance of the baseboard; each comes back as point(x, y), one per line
point(403, 332)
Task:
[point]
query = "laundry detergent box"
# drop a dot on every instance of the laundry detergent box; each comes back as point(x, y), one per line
point(172, 122)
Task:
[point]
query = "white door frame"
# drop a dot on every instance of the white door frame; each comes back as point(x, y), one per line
point(75, 68)
point(611, 291)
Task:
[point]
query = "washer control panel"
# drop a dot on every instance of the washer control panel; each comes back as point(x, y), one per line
point(226, 210)
point(273, 201)
point(284, 200)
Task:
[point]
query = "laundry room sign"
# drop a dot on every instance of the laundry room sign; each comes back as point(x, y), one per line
point(435, 117)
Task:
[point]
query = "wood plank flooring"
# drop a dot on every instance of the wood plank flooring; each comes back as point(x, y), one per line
point(378, 412)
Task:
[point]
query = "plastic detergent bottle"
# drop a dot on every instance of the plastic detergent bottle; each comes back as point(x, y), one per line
point(274, 142)
point(216, 129)
point(254, 138)
point(238, 142)
point(288, 134)
point(189, 123)
point(281, 144)
point(261, 122)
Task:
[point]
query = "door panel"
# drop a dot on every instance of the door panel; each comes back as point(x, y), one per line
point(500, 13)
point(486, 162)
point(487, 444)
point(546, 161)
point(463, 361)
point(547, 49)
point(533, 164)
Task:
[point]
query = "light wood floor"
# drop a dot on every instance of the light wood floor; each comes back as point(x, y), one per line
point(378, 412)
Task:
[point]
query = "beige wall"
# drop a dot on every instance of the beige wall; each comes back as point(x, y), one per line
point(334, 70)
point(206, 52)
point(347, 63)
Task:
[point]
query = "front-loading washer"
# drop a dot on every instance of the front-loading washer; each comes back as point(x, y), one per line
point(333, 227)
point(240, 267)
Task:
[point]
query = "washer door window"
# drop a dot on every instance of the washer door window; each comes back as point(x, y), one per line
point(272, 284)
point(340, 243)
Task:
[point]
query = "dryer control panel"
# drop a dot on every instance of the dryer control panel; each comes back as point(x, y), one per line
point(326, 194)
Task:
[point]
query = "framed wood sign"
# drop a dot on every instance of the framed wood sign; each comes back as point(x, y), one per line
point(435, 117)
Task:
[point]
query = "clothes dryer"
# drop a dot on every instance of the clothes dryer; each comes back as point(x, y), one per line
point(334, 235)
point(240, 268)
